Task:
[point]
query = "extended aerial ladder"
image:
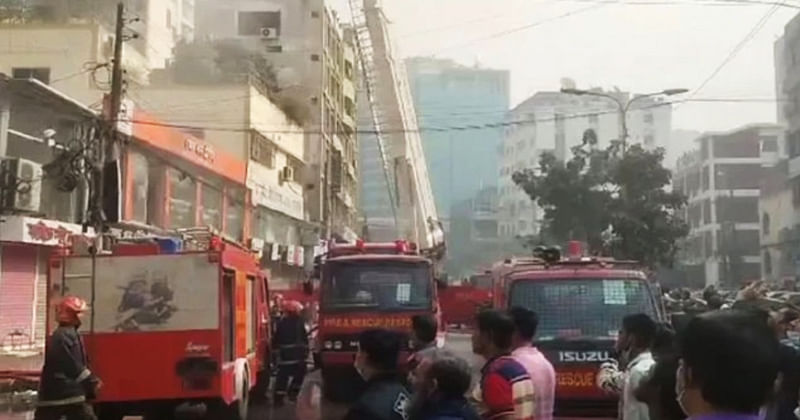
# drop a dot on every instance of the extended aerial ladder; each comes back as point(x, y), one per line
point(396, 130)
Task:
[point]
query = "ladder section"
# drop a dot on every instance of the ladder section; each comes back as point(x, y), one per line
point(366, 58)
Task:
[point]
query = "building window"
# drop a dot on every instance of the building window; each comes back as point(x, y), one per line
point(767, 263)
point(211, 211)
point(234, 213)
point(41, 74)
point(769, 144)
point(648, 118)
point(182, 200)
point(314, 14)
point(314, 57)
point(254, 23)
point(765, 223)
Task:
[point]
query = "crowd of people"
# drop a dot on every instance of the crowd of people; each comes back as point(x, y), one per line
point(740, 361)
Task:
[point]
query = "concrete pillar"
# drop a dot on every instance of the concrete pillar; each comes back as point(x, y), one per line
point(5, 117)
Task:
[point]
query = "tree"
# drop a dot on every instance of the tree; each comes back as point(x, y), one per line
point(598, 191)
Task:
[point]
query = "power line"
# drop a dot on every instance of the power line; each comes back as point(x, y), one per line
point(737, 48)
point(520, 28)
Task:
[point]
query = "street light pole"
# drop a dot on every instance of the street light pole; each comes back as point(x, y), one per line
point(623, 107)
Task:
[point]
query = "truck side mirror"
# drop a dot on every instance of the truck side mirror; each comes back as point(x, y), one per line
point(441, 284)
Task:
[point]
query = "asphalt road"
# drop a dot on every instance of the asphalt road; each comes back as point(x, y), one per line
point(456, 342)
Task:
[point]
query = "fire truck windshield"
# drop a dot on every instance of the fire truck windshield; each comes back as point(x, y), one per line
point(582, 308)
point(374, 285)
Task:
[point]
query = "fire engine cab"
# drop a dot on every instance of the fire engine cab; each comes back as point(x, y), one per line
point(174, 324)
point(363, 286)
point(580, 302)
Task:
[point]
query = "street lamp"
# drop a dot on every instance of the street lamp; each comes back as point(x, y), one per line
point(623, 107)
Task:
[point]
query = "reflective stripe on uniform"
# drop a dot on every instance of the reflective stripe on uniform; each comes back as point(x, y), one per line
point(66, 401)
point(84, 375)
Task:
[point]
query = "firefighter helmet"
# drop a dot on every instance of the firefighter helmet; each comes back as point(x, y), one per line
point(293, 307)
point(70, 308)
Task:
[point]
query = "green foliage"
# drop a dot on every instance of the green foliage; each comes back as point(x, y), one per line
point(598, 188)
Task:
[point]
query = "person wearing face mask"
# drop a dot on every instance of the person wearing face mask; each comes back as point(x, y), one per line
point(634, 344)
point(728, 365)
point(441, 381)
point(386, 396)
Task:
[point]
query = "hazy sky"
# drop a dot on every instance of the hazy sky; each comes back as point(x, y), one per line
point(606, 43)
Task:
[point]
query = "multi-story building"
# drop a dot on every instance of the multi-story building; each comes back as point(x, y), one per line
point(722, 180)
point(446, 94)
point(314, 60)
point(555, 122)
point(269, 141)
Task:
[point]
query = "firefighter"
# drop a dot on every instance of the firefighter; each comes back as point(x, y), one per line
point(291, 340)
point(66, 383)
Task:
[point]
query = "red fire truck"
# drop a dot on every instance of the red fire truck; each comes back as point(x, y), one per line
point(461, 302)
point(171, 328)
point(368, 285)
point(580, 302)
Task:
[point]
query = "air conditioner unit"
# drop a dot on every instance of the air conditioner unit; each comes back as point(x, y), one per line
point(21, 184)
point(286, 174)
point(269, 33)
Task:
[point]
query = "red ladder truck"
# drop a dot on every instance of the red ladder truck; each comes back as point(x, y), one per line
point(171, 329)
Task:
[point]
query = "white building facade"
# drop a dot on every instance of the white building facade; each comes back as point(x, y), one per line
point(555, 122)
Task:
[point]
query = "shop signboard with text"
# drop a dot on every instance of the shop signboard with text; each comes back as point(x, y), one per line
point(267, 191)
point(36, 231)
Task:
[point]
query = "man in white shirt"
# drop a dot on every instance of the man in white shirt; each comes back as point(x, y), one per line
point(634, 344)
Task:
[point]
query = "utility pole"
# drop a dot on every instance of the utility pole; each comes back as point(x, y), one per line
point(107, 141)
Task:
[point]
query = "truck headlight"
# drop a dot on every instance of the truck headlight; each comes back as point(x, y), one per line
point(328, 345)
point(337, 345)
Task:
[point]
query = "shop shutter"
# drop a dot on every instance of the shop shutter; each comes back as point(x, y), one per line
point(17, 294)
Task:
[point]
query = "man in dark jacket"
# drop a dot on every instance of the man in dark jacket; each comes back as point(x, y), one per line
point(66, 383)
point(291, 341)
point(385, 397)
point(439, 392)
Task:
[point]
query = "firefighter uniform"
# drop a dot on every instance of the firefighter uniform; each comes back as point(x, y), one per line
point(386, 398)
point(66, 382)
point(291, 341)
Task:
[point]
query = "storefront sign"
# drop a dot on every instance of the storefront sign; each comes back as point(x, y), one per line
point(156, 134)
point(201, 150)
point(286, 198)
point(31, 230)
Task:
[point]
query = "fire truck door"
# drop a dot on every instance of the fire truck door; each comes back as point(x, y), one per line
point(241, 314)
point(228, 314)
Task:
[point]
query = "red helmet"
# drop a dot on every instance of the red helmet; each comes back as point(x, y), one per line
point(292, 307)
point(69, 309)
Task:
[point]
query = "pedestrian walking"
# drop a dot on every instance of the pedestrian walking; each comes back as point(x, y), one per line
point(66, 384)
point(728, 364)
point(443, 379)
point(385, 396)
point(505, 390)
point(634, 344)
point(538, 367)
point(291, 341)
